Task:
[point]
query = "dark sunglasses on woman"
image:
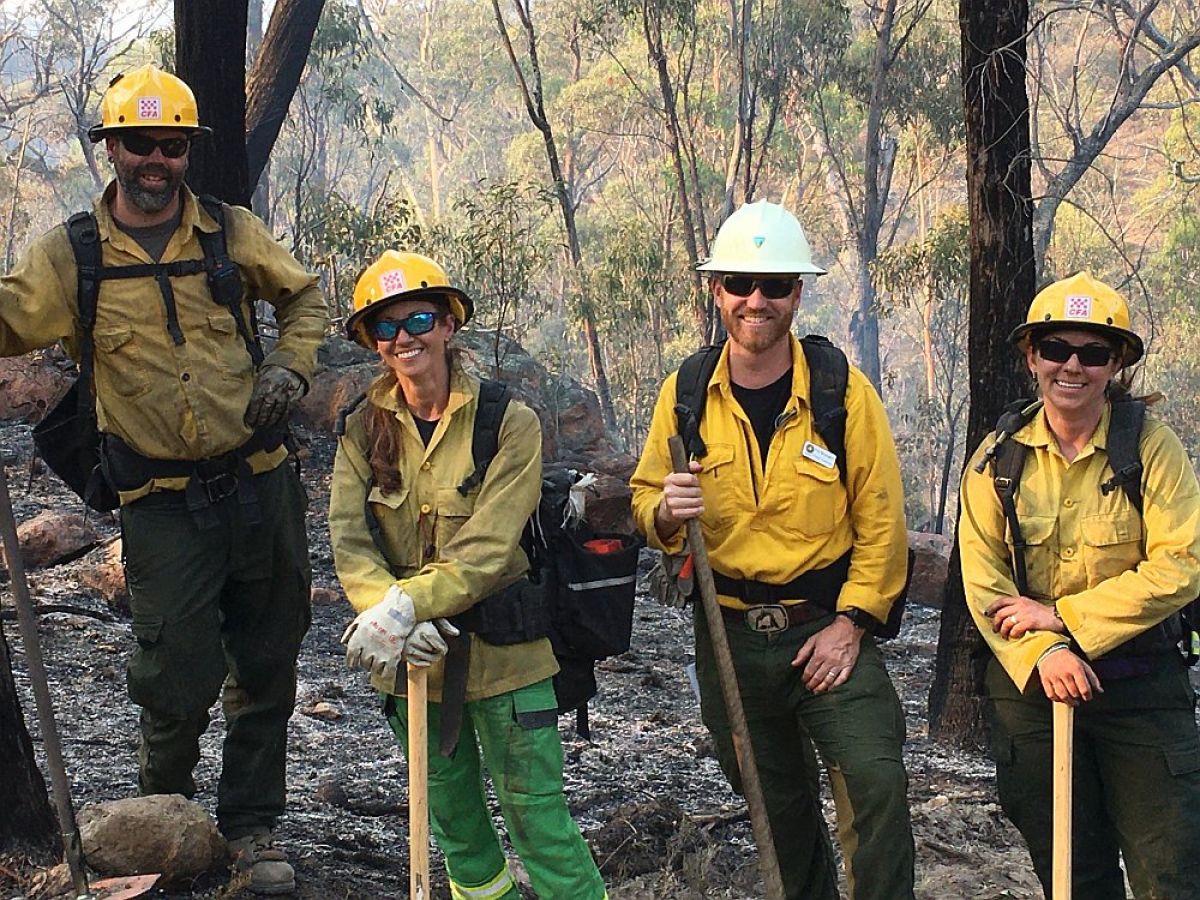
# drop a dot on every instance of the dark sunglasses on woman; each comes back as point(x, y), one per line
point(1093, 355)
point(143, 145)
point(773, 287)
point(415, 324)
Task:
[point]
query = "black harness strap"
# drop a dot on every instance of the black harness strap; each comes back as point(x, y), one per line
point(485, 439)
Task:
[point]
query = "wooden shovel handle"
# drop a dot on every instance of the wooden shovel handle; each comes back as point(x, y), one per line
point(1064, 751)
point(418, 782)
point(760, 826)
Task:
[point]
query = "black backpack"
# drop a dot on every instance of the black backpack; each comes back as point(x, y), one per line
point(68, 439)
point(1124, 459)
point(829, 373)
point(579, 591)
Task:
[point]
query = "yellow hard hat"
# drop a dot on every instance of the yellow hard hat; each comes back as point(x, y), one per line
point(1081, 301)
point(147, 97)
point(398, 275)
point(761, 238)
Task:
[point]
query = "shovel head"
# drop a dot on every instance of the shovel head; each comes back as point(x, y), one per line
point(123, 887)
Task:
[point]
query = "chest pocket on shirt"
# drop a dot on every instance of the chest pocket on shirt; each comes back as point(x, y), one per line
point(453, 511)
point(119, 365)
point(228, 349)
point(400, 538)
point(819, 500)
point(1041, 553)
point(1110, 546)
point(718, 485)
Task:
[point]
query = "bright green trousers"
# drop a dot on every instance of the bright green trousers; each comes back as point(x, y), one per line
point(858, 730)
point(518, 735)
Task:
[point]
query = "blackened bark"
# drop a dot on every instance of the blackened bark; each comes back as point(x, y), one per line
point(28, 826)
point(275, 76)
point(210, 55)
point(996, 107)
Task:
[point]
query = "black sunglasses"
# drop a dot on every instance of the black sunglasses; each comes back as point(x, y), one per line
point(772, 287)
point(143, 145)
point(1056, 351)
point(415, 324)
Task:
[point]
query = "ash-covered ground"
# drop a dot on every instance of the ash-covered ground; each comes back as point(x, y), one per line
point(646, 789)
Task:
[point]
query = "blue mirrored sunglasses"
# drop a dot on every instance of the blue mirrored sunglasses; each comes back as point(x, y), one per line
point(415, 324)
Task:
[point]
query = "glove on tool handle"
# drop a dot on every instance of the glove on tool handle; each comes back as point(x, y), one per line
point(767, 860)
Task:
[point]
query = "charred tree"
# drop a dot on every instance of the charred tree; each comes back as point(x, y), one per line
point(28, 827)
point(210, 55)
point(996, 108)
point(275, 76)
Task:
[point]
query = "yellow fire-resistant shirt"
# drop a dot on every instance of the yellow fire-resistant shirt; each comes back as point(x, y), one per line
point(1112, 573)
point(773, 526)
point(449, 551)
point(164, 400)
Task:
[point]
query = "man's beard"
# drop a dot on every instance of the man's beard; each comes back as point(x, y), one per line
point(756, 340)
point(148, 201)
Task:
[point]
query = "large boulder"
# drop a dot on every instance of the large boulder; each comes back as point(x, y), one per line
point(162, 833)
point(929, 570)
point(51, 537)
point(30, 385)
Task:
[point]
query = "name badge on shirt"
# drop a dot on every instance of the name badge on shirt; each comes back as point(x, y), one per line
point(819, 455)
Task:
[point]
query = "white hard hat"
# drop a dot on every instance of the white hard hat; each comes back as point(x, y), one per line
point(761, 238)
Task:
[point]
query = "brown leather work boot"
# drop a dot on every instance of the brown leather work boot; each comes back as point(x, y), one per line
point(269, 870)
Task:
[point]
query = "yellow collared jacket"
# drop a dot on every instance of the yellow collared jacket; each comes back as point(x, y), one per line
point(776, 521)
point(1111, 572)
point(447, 551)
point(166, 400)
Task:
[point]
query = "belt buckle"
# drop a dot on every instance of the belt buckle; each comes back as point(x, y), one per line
point(767, 619)
point(219, 486)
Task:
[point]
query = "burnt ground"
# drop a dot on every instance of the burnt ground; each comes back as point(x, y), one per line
point(646, 790)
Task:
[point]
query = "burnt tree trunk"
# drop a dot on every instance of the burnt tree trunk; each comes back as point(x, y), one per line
point(275, 76)
point(27, 827)
point(210, 55)
point(996, 107)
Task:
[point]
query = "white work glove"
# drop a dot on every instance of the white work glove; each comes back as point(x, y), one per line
point(375, 639)
point(276, 390)
point(426, 643)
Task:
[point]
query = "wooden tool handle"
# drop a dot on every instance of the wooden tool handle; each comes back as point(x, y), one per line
point(1064, 751)
point(418, 782)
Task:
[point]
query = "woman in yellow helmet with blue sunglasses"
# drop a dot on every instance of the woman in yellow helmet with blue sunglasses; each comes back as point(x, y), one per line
point(1077, 594)
point(416, 548)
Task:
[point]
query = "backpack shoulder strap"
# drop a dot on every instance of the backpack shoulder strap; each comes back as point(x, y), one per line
point(339, 427)
point(691, 390)
point(84, 235)
point(828, 375)
point(485, 436)
point(1008, 461)
point(1124, 458)
point(224, 276)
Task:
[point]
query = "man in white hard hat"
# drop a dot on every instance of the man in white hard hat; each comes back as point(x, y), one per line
point(797, 487)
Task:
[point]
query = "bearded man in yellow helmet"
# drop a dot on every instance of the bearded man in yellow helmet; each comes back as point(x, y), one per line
point(807, 544)
point(152, 292)
point(1076, 563)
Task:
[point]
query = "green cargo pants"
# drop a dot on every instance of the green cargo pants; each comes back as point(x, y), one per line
point(518, 734)
point(222, 606)
point(857, 728)
point(1136, 782)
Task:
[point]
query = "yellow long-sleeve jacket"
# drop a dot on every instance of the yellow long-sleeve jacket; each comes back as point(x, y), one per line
point(1111, 572)
point(448, 551)
point(772, 523)
point(167, 400)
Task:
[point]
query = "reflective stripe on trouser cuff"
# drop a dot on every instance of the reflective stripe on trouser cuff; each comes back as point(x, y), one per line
point(497, 887)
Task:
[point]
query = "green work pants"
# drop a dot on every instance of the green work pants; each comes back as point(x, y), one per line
point(858, 730)
point(1136, 779)
point(518, 734)
point(222, 606)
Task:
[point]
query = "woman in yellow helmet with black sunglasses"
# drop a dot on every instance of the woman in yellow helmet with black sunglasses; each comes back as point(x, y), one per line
point(1077, 594)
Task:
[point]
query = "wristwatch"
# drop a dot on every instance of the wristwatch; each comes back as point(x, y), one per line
point(863, 620)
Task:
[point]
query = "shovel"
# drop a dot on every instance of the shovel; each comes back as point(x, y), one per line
point(760, 826)
point(1064, 751)
point(121, 888)
point(418, 783)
